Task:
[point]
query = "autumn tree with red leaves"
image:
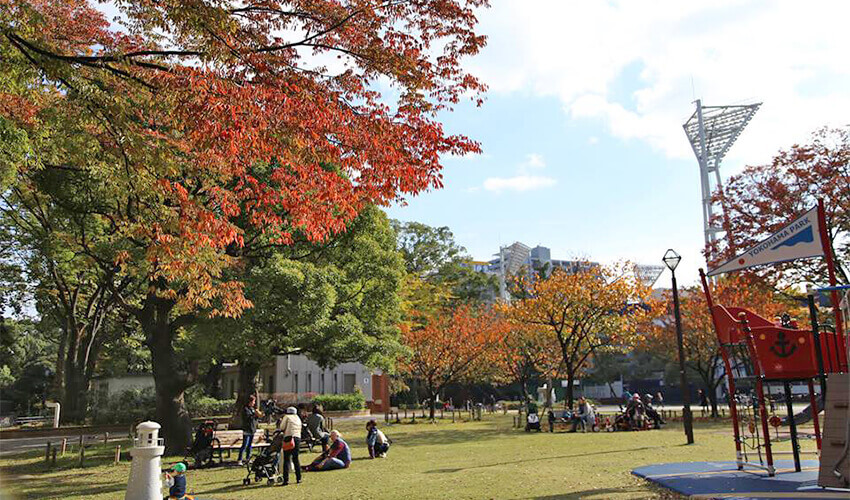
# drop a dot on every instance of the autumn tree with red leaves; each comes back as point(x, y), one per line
point(764, 198)
point(459, 345)
point(702, 355)
point(208, 132)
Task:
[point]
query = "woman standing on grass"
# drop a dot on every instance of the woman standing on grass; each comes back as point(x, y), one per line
point(249, 414)
point(291, 428)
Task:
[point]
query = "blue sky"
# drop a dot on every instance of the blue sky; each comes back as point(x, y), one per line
point(582, 130)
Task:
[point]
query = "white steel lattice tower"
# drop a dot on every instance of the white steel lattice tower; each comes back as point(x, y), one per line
point(711, 131)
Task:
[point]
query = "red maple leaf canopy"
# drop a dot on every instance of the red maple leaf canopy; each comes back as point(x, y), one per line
point(216, 119)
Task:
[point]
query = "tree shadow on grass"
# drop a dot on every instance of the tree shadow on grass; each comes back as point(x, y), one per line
point(540, 459)
point(52, 488)
point(449, 436)
point(238, 486)
point(601, 493)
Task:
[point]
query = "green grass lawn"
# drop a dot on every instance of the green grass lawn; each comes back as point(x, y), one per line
point(486, 459)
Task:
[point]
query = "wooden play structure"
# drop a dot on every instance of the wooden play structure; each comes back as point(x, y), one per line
point(835, 450)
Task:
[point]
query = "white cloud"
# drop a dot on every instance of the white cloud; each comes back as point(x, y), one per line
point(518, 183)
point(636, 66)
point(533, 160)
point(523, 181)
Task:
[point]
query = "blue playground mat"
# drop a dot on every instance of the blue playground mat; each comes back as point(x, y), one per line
point(722, 480)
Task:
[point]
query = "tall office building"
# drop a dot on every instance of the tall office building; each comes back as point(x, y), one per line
point(520, 259)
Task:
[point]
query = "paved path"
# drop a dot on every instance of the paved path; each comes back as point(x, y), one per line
point(21, 445)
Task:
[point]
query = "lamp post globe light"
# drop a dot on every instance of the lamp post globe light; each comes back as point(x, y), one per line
point(671, 260)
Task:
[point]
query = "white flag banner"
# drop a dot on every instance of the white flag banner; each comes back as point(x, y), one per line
point(798, 240)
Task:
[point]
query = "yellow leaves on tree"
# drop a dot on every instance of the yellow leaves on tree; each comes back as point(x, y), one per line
point(456, 345)
point(597, 308)
point(527, 351)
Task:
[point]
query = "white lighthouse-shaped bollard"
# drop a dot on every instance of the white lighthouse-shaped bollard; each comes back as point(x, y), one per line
point(145, 473)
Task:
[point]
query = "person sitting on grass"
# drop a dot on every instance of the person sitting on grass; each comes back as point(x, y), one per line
point(584, 415)
point(376, 441)
point(653, 415)
point(337, 457)
point(176, 483)
point(316, 426)
point(635, 411)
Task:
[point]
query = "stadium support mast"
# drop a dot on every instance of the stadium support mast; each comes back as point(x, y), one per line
point(711, 131)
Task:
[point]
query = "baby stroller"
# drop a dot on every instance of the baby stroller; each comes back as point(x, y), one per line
point(532, 423)
point(264, 465)
point(203, 447)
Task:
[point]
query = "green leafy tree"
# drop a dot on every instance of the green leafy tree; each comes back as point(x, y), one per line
point(27, 355)
point(432, 255)
point(338, 302)
point(45, 267)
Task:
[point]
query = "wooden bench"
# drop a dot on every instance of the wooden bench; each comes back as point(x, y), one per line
point(563, 422)
point(232, 440)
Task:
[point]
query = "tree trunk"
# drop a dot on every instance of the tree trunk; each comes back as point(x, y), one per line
point(170, 381)
point(212, 380)
point(523, 382)
point(75, 399)
point(569, 395)
point(433, 405)
point(710, 391)
point(249, 372)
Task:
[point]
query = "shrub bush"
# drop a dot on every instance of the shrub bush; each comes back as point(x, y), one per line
point(206, 406)
point(341, 402)
point(136, 405)
point(132, 405)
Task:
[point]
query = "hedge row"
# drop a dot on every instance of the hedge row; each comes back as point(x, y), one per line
point(341, 402)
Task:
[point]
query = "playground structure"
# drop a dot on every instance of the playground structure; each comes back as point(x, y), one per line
point(757, 354)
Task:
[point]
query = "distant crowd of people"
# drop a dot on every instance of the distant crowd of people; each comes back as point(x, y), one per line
point(636, 412)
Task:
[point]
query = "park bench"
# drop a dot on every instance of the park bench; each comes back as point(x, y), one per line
point(564, 422)
point(232, 440)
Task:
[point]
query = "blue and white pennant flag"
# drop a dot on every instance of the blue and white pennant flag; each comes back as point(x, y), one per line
point(798, 240)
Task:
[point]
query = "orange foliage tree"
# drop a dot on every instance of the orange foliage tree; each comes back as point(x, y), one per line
point(702, 355)
point(456, 345)
point(597, 308)
point(204, 133)
point(525, 352)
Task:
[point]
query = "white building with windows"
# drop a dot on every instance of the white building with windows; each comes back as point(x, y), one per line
point(298, 375)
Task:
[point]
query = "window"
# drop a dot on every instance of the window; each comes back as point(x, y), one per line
point(322, 382)
point(309, 383)
point(232, 387)
point(348, 382)
point(295, 383)
point(270, 388)
point(336, 383)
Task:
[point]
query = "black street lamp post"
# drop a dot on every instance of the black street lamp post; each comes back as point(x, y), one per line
point(671, 260)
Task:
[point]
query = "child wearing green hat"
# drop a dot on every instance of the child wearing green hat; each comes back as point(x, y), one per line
point(176, 482)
